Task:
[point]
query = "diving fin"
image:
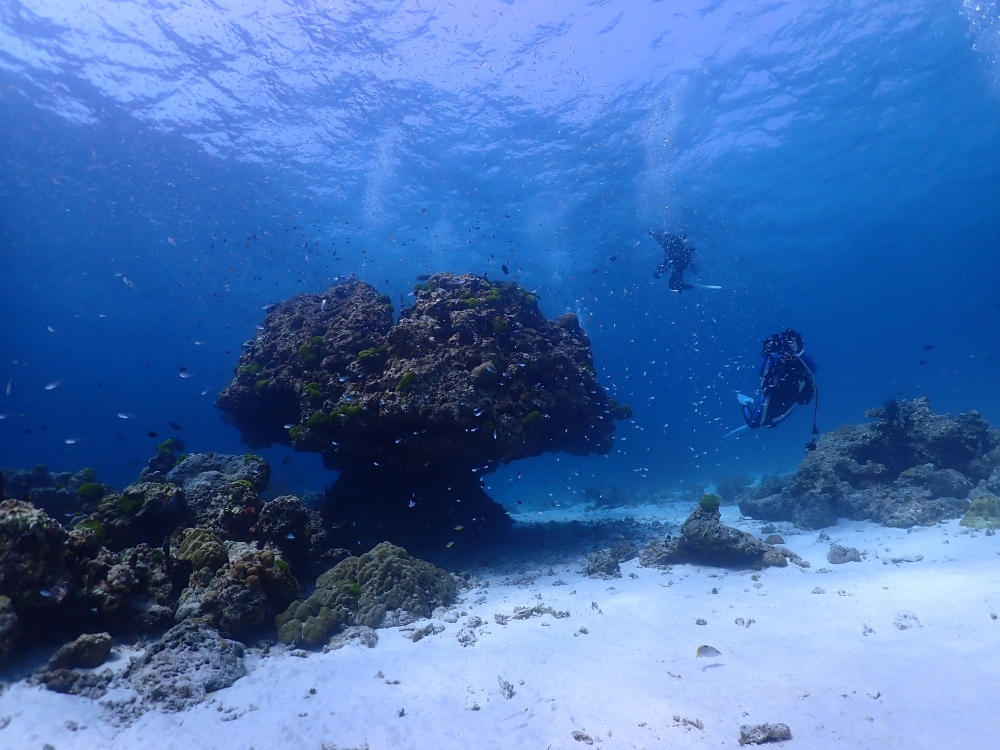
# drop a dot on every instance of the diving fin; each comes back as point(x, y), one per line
point(737, 431)
point(745, 400)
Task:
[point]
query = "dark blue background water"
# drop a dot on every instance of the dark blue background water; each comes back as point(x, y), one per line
point(836, 165)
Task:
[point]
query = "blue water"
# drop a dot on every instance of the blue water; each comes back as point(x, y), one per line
point(837, 165)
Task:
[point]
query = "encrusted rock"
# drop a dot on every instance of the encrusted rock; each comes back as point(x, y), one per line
point(189, 661)
point(910, 467)
point(87, 651)
point(57, 493)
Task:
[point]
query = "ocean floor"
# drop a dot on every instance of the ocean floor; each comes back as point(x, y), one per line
point(871, 654)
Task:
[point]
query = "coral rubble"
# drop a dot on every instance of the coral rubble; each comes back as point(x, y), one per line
point(413, 414)
point(910, 467)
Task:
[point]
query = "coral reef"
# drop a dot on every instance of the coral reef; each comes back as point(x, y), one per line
point(910, 467)
point(705, 540)
point(602, 565)
point(56, 493)
point(362, 590)
point(413, 414)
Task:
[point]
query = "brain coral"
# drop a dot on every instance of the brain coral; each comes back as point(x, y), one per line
point(361, 590)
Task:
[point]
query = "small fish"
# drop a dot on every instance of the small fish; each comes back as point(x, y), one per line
point(322, 305)
point(172, 241)
point(53, 385)
point(412, 503)
point(129, 283)
point(204, 392)
point(289, 426)
point(198, 343)
point(46, 593)
point(289, 536)
point(186, 375)
point(708, 652)
point(505, 269)
point(449, 545)
point(928, 347)
point(51, 329)
point(3, 416)
point(922, 362)
point(152, 434)
point(10, 386)
point(175, 425)
point(71, 441)
point(123, 415)
point(423, 276)
point(459, 527)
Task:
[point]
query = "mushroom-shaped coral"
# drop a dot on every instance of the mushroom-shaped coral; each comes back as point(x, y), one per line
point(413, 414)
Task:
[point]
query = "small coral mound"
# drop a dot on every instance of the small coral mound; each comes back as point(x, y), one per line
point(983, 513)
point(361, 590)
point(705, 540)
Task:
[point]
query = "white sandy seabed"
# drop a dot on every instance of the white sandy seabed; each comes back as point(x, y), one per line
point(926, 674)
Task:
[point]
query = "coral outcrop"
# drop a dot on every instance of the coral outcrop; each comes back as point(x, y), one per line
point(243, 596)
point(910, 467)
point(705, 540)
point(363, 590)
point(413, 414)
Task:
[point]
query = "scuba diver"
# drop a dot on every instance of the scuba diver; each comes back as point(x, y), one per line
point(787, 379)
point(678, 254)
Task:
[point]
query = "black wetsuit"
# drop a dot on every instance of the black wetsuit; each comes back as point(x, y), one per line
point(678, 255)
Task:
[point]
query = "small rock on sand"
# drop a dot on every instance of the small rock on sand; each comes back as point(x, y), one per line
point(584, 738)
point(758, 734)
point(839, 554)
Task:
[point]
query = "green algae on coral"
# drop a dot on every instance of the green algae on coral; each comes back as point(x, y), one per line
point(533, 418)
point(406, 381)
point(372, 352)
point(710, 503)
point(294, 432)
point(500, 325)
point(262, 383)
point(91, 492)
point(250, 369)
point(129, 504)
point(93, 525)
point(347, 410)
point(318, 419)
